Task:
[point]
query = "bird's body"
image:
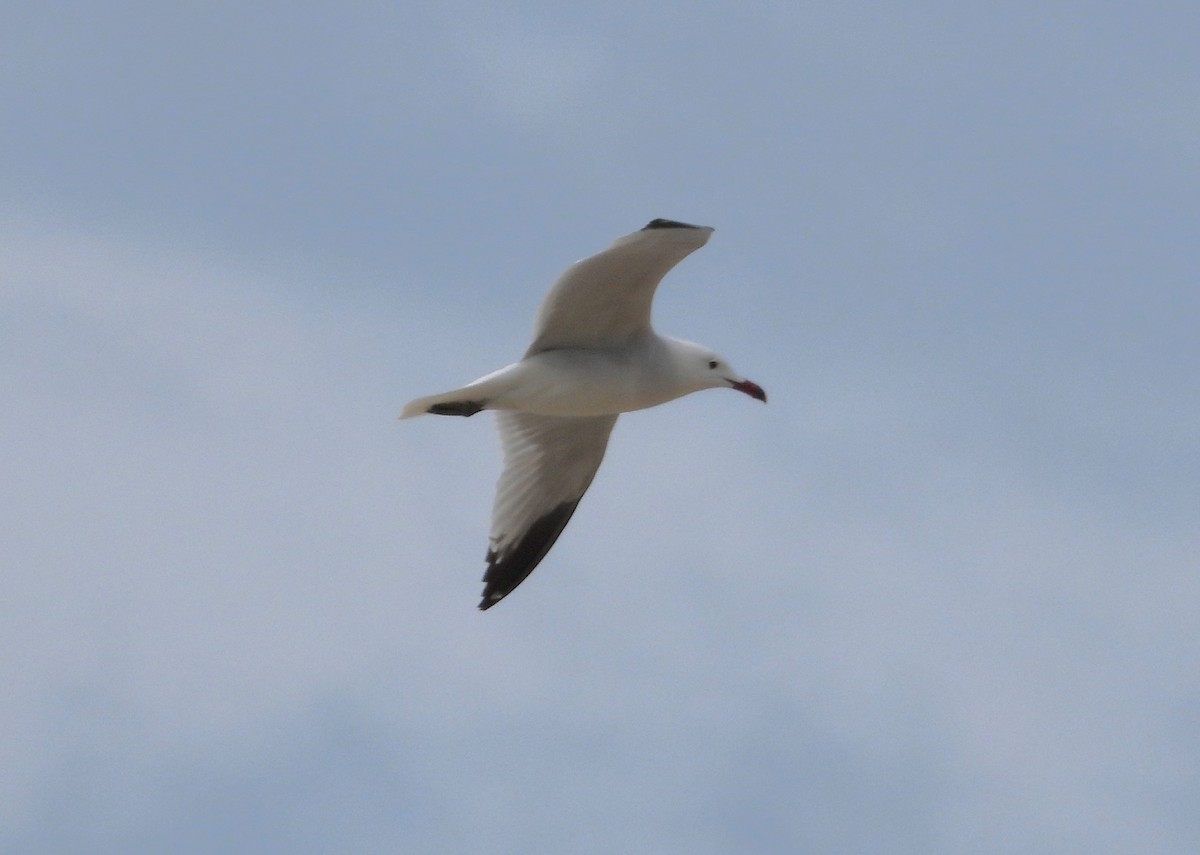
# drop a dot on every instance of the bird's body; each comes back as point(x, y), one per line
point(594, 356)
point(578, 381)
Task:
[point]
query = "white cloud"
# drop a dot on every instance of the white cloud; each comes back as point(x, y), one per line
point(945, 580)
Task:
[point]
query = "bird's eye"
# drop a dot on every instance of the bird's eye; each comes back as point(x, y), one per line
point(712, 363)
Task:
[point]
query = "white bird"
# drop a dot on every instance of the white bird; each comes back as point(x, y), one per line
point(594, 355)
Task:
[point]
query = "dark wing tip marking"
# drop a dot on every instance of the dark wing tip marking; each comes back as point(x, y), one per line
point(668, 224)
point(504, 574)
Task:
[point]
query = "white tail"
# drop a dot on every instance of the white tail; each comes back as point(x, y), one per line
point(416, 408)
point(473, 397)
point(421, 406)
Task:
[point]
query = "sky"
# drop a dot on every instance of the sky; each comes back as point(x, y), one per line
point(940, 595)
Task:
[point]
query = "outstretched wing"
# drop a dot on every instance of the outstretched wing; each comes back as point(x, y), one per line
point(549, 462)
point(604, 300)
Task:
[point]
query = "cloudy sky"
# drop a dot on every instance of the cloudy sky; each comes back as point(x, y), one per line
point(939, 596)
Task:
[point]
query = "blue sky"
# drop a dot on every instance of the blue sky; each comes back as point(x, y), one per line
point(940, 595)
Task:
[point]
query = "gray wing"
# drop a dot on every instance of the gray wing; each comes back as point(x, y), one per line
point(549, 462)
point(605, 300)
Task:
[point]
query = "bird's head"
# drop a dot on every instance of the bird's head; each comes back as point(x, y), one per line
point(704, 369)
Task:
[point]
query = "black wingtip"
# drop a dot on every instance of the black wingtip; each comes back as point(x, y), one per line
point(668, 224)
point(505, 573)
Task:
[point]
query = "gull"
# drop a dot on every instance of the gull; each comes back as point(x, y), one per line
point(594, 356)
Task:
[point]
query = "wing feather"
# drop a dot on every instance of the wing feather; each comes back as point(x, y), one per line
point(549, 462)
point(605, 300)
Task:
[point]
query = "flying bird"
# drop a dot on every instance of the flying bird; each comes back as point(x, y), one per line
point(594, 356)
